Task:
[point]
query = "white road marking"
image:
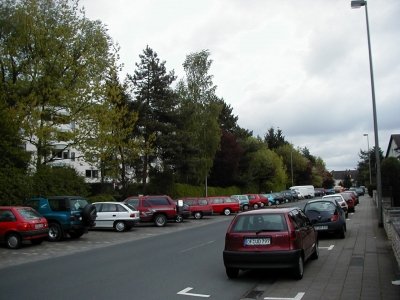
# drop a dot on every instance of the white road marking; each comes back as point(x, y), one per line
point(197, 246)
point(185, 293)
point(298, 297)
point(328, 248)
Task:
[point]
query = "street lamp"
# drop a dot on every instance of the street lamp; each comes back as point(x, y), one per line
point(369, 160)
point(358, 4)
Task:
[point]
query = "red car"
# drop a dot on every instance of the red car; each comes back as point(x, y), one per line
point(257, 200)
point(270, 239)
point(350, 200)
point(224, 205)
point(198, 207)
point(18, 224)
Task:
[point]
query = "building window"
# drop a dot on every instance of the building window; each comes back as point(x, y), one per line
point(73, 156)
point(66, 155)
point(92, 173)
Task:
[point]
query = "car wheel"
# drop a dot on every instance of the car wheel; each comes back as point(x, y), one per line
point(277, 202)
point(13, 241)
point(36, 241)
point(269, 203)
point(299, 269)
point(232, 273)
point(245, 207)
point(120, 226)
point(261, 204)
point(160, 220)
point(55, 232)
point(179, 219)
point(315, 254)
point(227, 211)
point(255, 206)
point(198, 215)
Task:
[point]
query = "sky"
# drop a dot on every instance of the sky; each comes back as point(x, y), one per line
point(298, 65)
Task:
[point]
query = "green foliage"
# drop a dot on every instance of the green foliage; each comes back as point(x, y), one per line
point(185, 190)
point(274, 139)
point(101, 198)
point(50, 181)
point(390, 170)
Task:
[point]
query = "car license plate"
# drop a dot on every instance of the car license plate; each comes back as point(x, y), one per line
point(257, 241)
point(321, 227)
point(38, 226)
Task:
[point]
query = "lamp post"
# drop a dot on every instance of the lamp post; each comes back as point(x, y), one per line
point(358, 4)
point(369, 160)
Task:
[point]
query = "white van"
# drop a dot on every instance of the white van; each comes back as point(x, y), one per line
point(306, 190)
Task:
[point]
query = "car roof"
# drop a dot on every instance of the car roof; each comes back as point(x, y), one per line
point(329, 199)
point(269, 211)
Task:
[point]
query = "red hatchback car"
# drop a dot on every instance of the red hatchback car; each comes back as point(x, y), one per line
point(19, 223)
point(270, 239)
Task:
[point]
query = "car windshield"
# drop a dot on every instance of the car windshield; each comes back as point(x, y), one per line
point(29, 214)
point(258, 223)
point(78, 204)
point(130, 206)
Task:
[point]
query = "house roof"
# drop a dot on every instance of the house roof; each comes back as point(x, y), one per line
point(339, 175)
point(394, 138)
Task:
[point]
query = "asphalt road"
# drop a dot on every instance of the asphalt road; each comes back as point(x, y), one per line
point(180, 261)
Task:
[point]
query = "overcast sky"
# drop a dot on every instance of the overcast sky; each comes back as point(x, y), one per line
point(298, 65)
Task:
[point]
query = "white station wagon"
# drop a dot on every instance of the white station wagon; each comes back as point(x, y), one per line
point(117, 215)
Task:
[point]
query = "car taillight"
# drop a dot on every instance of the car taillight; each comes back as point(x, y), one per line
point(28, 226)
point(335, 216)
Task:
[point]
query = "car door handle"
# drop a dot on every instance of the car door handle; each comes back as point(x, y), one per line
point(114, 215)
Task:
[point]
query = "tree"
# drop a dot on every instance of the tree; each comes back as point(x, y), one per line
point(391, 179)
point(199, 109)
point(294, 161)
point(274, 139)
point(156, 105)
point(53, 64)
point(368, 159)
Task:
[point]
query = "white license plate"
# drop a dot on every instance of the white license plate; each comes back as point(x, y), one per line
point(38, 226)
point(257, 241)
point(321, 227)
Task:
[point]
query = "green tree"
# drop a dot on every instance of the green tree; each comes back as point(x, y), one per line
point(53, 64)
point(156, 105)
point(391, 179)
point(199, 112)
point(293, 161)
point(274, 139)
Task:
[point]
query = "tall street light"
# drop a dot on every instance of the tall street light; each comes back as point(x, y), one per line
point(358, 4)
point(369, 160)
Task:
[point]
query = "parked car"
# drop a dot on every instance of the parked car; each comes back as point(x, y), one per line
point(279, 197)
point(319, 192)
point(327, 215)
point(354, 195)
point(330, 191)
point(270, 239)
point(224, 205)
point(350, 200)
point(116, 215)
point(339, 198)
point(198, 207)
point(158, 209)
point(288, 195)
point(359, 190)
point(257, 200)
point(243, 201)
point(271, 199)
point(72, 215)
point(18, 224)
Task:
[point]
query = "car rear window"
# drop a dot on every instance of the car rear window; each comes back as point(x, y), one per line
point(78, 204)
point(321, 206)
point(265, 222)
point(29, 214)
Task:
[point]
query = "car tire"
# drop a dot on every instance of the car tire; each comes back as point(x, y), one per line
point(245, 207)
point(255, 206)
point(160, 220)
point(261, 204)
point(120, 226)
point(198, 215)
point(315, 254)
point(269, 203)
point(13, 241)
point(179, 219)
point(89, 214)
point(55, 232)
point(227, 211)
point(299, 268)
point(232, 273)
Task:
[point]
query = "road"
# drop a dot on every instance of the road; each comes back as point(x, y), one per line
point(180, 261)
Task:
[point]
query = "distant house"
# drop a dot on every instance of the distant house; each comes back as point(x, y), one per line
point(339, 176)
point(393, 149)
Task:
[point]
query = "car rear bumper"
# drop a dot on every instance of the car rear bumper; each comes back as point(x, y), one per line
point(261, 260)
point(34, 234)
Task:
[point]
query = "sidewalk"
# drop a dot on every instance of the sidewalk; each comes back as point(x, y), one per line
point(372, 258)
